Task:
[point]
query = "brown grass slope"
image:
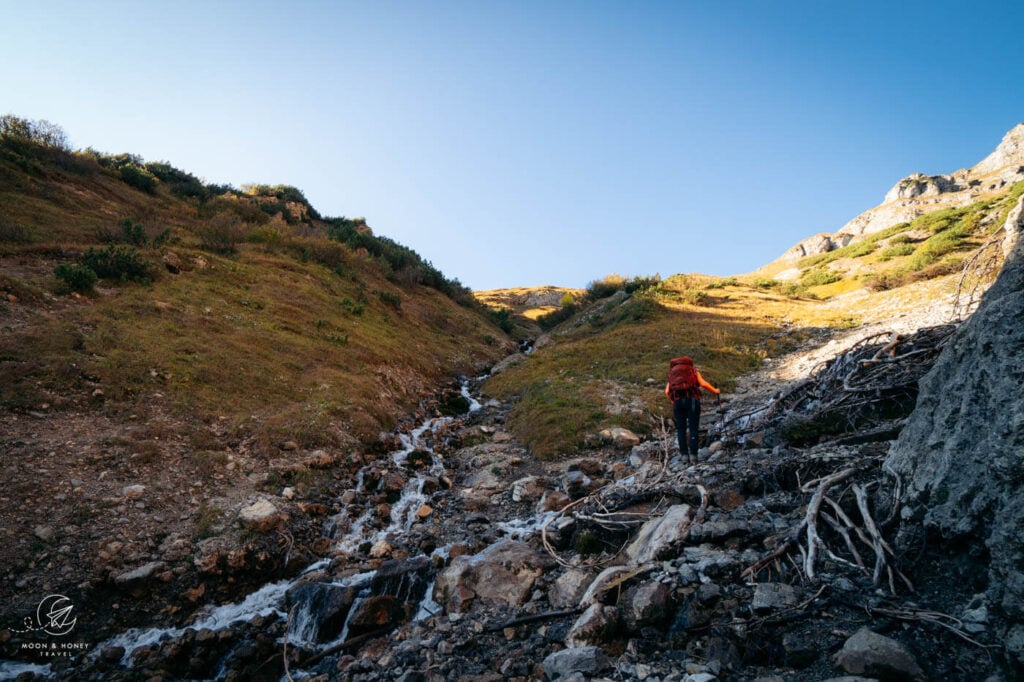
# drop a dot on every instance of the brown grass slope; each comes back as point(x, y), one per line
point(604, 363)
point(252, 351)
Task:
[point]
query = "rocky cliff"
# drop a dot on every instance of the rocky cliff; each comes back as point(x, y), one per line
point(918, 194)
point(957, 464)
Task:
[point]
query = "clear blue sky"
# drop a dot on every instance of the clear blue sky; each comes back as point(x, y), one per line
point(526, 143)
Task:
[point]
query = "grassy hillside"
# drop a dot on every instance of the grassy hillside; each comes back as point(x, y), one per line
point(241, 306)
point(606, 361)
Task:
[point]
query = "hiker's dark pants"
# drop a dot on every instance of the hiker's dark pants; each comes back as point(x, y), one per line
point(687, 415)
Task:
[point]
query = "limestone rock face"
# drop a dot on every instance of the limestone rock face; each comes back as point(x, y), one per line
point(959, 457)
point(917, 194)
point(1010, 152)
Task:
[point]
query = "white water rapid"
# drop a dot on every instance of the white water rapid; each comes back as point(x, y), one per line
point(271, 598)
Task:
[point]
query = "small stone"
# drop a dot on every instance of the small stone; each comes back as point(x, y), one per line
point(774, 597)
point(588, 660)
point(261, 515)
point(289, 445)
point(424, 512)
point(380, 549)
point(133, 492)
point(44, 533)
point(288, 493)
point(868, 653)
point(140, 573)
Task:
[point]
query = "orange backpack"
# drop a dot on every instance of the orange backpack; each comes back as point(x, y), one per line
point(682, 379)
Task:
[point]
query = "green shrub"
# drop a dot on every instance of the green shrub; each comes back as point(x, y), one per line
point(895, 251)
point(766, 283)
point(118, 262)
point(139, 178)
point(75, 277)
point(502, 317)
point(391, 299)
point(555, 317)
point(221, 234)
point(641, 285)
point(722, 283)
point(603, 288)
point(819, 277)
point(133, 233)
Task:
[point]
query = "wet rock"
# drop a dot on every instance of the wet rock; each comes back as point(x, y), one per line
point(319, 610)
point(599, 623)
point(503, 574)
point(404, 579)
point(260, 516)
point(577, 484)
point(553, 500)
point(588, 660)
point(380, 549)
point(774, 597)
point(659, 535)
point(869, 653)
point(527, 489)
point(375, 613)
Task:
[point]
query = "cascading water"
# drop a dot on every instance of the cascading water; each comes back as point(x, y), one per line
point(271, 598)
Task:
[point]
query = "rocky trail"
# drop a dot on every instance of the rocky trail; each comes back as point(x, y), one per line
point(457, 556)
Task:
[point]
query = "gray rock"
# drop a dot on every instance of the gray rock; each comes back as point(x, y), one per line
point(868, 653)
point(566, 590)
point(502, 574)
point(1015, 643)
point(318, 610)
point(589, 660)
point(959, 457)
point(141, 573)
point(658, 535)
point(44, 533)
point(620, 437)
point(594, 625)
point(133, 492)
point(261, 515)
point(801, 649)
point(774, 597)
point(648, 604)
point(701, 677)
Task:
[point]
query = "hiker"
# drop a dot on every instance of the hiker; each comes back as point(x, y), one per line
point(683, 389)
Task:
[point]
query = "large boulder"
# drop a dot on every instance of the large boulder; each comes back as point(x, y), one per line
point(503, 574)
point(959, 459)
